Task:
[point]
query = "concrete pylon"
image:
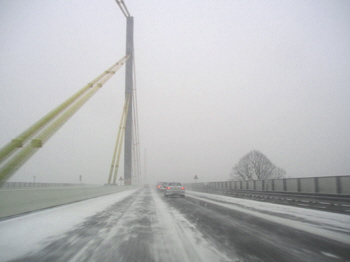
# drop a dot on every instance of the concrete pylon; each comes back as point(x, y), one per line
point(129, 83)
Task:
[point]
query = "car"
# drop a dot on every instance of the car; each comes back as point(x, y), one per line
point(174, 189)
point(161, 186)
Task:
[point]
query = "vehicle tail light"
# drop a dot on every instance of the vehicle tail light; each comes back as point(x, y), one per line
point(158, 186)
point(167, 187)
point(183, 188)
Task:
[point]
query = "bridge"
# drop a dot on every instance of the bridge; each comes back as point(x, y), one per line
point(128, 219)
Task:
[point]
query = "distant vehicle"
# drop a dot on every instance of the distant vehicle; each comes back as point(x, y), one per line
point(161, 186)
point(173, 189)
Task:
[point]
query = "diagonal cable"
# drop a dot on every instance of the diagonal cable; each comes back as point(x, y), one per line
point(123, 8)
point(14, 163)
point(117, 143)
point(126, 108)
point(19, 141)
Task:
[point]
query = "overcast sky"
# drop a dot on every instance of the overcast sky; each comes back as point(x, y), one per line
point(215, 80)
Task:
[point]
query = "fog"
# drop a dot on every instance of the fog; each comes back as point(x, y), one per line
point(214, 80)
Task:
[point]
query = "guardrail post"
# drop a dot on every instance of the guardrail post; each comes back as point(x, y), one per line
point(263, 185)
point(316, 186)
point(338, 185)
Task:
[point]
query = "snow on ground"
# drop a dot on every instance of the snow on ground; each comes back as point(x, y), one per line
point(326, 224)
point(182, 238)
point(173, 239)
point(26, 233)
point(173, 235)
point(153, 230)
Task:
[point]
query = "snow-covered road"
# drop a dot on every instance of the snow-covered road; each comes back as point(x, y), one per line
point(141, 225)
point(129, 226)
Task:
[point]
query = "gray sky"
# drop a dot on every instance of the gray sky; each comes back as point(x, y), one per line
point(215, 80)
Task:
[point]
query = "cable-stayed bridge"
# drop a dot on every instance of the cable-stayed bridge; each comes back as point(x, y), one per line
point(20, 149)
point(285, 220)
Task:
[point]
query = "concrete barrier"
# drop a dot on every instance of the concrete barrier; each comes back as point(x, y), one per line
point(19, 201)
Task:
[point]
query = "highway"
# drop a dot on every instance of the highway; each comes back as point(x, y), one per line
point(143, 225)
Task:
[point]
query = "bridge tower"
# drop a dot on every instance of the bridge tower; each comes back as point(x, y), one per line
point(129, 83)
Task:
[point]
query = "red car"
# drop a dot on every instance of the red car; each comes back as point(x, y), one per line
point(161, 186)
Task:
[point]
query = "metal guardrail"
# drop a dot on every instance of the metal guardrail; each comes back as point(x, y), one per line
point(323, 193)
point(322, 185)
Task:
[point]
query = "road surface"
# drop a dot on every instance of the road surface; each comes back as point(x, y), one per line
point(142, 225)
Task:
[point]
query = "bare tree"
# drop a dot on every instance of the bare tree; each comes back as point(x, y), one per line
point(256, 166)
point(278, 173)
